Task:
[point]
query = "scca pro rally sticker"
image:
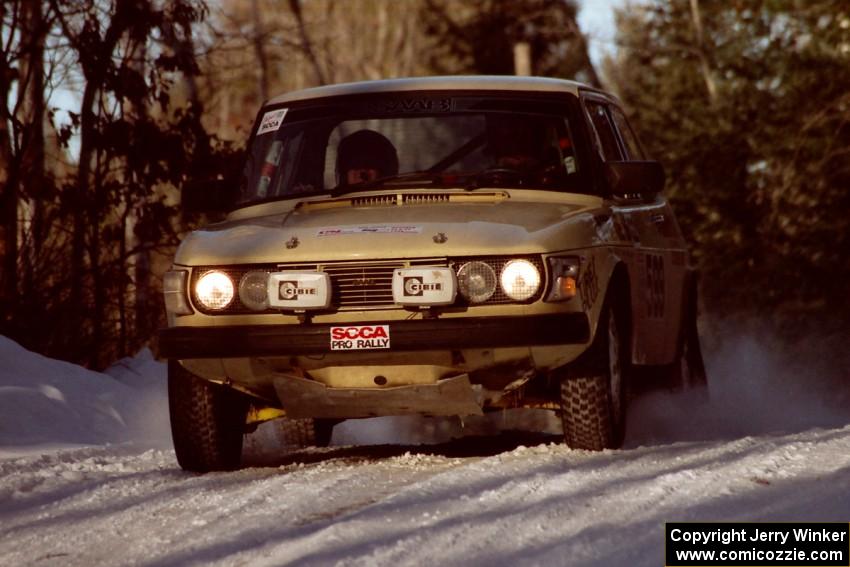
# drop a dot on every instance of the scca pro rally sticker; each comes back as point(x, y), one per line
point(271, 121)
point(360, 337)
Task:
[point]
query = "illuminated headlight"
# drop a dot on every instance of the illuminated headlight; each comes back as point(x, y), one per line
point(520, 279)
point(476, 281)
point(254, 290)
point(174, 290)
point(214, 290)
point(564, 278)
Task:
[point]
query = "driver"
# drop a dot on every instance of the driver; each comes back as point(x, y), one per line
point(365, 156)
point(516, 142)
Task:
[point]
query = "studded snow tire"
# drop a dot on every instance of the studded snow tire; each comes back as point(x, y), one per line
point(592, 392)
point(207, 421)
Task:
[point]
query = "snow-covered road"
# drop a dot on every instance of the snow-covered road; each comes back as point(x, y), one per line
point(506, 504)
point(773, 444)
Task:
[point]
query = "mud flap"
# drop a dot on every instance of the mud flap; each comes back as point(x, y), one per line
point(307, 398)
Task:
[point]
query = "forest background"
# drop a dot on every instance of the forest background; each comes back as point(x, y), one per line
point(745, 102)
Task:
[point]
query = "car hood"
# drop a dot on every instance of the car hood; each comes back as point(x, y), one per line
point(382, 225)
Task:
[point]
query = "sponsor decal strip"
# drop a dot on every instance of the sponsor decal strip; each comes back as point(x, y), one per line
point(377, 229)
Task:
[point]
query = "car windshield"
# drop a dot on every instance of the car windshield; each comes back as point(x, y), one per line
point(429, 142)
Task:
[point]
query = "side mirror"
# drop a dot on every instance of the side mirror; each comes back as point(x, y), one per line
point(634, 177)
point(208, 196)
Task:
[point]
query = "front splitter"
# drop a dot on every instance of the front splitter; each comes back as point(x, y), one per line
point(302, 398)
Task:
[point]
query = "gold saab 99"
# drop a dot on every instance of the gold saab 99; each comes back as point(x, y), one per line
point(441, 246)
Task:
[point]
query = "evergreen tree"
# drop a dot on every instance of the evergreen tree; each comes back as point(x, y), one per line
point(746, 103)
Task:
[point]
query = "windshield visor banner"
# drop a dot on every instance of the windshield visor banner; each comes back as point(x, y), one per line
point(299, 290)
point(424, 286)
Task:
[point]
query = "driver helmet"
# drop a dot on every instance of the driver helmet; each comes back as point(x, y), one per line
point(366, 150)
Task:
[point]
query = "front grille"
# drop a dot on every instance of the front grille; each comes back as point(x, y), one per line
point(367, 284)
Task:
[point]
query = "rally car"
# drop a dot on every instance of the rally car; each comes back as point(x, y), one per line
point(441, 246)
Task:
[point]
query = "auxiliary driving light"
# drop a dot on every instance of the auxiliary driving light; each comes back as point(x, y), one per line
point(424, 287)
point(214, 290)
point(254, 290)
point(299, 291)
point(520, 279)
point(476, 281)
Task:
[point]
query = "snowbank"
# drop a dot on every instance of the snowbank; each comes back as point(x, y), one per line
point(46, 403)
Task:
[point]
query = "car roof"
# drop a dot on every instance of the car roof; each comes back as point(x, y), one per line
point(453, 83)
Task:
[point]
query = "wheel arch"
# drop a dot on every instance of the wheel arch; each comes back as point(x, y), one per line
point(593, 404)
point(619, 294)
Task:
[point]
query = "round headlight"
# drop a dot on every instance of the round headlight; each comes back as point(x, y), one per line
point(520, 279)
point(214, 290)
point(476, 281)
point(253, 290)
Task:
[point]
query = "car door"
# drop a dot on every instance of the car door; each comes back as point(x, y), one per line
point(649, 243)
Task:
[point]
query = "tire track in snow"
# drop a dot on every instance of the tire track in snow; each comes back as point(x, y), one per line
point(112, 506)
point(500, 504)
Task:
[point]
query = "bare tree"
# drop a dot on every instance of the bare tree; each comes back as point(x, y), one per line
point(311, 43)
point(259, 42)
point(705, 68)
point(22, 148)
point(306, 43)
point(94, 49)
point(34, 114)
point(10, 17)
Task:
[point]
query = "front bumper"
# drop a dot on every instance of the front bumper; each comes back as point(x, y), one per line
point(406, 335)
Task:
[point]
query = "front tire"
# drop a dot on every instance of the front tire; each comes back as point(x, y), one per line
point(207, 421)
point(592, 392)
